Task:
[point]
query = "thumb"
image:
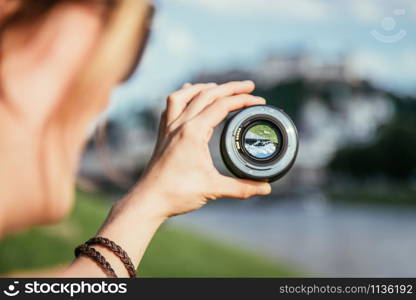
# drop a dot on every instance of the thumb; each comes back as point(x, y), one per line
point(242, 188)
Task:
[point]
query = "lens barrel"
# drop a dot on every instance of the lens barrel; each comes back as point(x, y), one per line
point(260, 143)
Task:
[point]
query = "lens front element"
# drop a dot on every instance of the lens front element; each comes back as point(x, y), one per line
point(261, 141)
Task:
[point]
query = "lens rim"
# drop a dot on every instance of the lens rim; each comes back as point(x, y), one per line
point(242, 167)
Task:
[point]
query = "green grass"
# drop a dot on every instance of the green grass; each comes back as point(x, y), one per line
point(174, 252)
point(265, 132)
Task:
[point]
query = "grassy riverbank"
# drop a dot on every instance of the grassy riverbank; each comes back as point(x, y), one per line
point(174, 252)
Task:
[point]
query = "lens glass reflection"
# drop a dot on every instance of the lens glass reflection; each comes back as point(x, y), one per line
point(261, 141)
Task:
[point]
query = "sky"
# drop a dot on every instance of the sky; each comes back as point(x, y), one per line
point(192, 36)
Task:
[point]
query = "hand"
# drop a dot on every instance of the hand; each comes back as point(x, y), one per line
point(181, 176)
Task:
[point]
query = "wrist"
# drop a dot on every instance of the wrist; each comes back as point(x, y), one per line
point(144, 202)
point(132, 222)
point(127, 214)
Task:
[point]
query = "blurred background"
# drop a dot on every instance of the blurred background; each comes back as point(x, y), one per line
point(345, 71)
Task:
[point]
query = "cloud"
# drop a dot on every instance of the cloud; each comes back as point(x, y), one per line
point(370, 11)
point(364, 11)
point(297, 9)
point(408, 62)
point(173, 37)
point(180, 42)
point(391, 70)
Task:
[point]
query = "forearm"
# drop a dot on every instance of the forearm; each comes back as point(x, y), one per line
point(131, 224)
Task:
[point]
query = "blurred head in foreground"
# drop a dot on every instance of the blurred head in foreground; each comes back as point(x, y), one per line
point(59, 61)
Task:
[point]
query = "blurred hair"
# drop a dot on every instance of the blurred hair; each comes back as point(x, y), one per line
point(31, 10)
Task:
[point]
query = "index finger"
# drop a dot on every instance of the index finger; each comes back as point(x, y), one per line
point(178, 100)
point(214, 113)
point(210, 95)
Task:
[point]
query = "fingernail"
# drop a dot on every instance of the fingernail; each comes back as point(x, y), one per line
point(265, 189)
point(248, 81)
point(186, 84)
point(212, 84)
point(262, 99)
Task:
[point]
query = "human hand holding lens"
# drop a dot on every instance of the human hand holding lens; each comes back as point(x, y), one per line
point(181, 176)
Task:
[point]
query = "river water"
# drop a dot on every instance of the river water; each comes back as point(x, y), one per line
point(315, 237)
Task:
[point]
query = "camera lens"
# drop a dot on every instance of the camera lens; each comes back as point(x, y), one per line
point(259, 142)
